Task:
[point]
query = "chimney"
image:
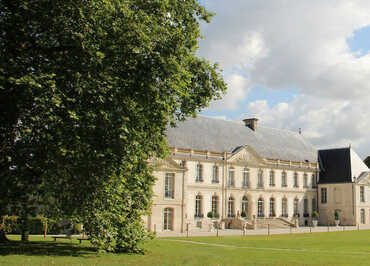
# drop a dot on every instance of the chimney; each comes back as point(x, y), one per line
point(251, 123)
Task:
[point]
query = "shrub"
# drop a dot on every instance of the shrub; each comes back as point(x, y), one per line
point(336, 215)
point(243, 214)
point(210, 214)
point(13, 225)
point(315, 215)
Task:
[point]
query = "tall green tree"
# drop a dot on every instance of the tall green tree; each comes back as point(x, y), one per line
point(87, 89)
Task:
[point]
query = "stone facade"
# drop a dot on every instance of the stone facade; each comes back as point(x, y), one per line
point(227, 183)
point(231, 169)
point(346, 198)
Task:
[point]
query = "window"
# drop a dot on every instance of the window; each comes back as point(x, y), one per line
point(272, 178)
point(215, 174)
point(215, 206)
point(246, 177)
point(284, 204)
point(245, 204)
point(169, 185)
point(305, 182)
point(313, 205)
point(260, 179)
point(362, 193)
point(283, 179)
point(230, 208)
point(199, 176)
point(260, 208)
point(324, 195)
point(231, 181)
point(272, 207)
point(168, 219)
point(198, 206)
point(182, 163)
point(305, 208)
point(363, 218)
point(295, 180)
point(313, 181)
point(295, 207)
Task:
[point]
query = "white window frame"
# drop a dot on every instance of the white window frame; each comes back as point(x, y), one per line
point(168, 215)
point(231, 177)
point(260, 208)
point(198, 206)
point(284, 179)
point(245, 177)
point(231, 207)
point(324, 195)
point(169, 186)
point(272, 178)
point(260, 178)
point(215, 174)
point(199, 173)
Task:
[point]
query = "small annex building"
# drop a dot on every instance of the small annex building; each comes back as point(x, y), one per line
point(343, 186)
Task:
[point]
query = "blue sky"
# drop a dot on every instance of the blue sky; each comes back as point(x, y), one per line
point(294, 64)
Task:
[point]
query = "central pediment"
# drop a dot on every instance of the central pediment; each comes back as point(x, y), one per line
point(245, 155)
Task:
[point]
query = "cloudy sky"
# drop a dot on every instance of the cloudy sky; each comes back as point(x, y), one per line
point(295, 64)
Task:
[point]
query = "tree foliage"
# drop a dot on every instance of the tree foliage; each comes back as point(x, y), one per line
point(88, 88)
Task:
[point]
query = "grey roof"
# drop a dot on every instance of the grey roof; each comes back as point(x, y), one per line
point(204, 133)
point(341, 165)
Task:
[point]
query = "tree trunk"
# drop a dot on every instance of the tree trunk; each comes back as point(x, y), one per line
point(3, 237)
point(25, 228)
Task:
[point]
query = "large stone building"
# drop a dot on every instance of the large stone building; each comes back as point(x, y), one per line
point(234, 169)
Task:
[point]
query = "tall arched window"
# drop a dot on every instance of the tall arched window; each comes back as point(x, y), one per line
point(283, 179)
point(272, 178)
point(260, 208)
point(245, 204)
point(246, 177)
point(295, 207)
point(215, 205)
point(231, 181)
point(260, 179)
point(284, 207)
point(272, 207)
point(198, 206)
point(168, 219)
point(230, 207)
point(199, 174)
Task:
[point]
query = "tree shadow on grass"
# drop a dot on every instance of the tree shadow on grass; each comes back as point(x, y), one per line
point(46, 248)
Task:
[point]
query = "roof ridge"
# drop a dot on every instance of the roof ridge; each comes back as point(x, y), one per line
point(241, 123)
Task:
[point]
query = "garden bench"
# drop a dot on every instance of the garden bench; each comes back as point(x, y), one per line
point(65, 237)
point(81, 239)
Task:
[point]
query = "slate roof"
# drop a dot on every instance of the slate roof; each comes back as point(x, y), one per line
point(341, 165)
point(217, 135)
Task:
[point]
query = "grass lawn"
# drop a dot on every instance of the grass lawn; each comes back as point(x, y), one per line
point(335, 248)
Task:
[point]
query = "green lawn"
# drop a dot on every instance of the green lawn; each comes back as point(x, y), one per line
point(335, 248)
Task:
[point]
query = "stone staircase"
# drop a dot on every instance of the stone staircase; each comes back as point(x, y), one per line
point(275, 223)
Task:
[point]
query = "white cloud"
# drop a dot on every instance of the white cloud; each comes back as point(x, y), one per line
point(326, 123)
point(238, 89)
point(296, 44)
